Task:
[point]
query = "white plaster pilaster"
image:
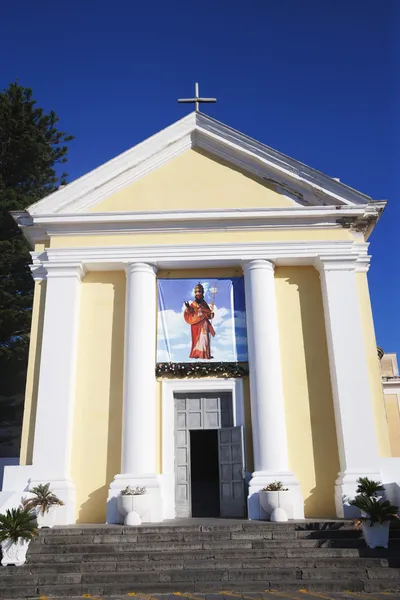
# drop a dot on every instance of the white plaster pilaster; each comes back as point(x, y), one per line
point(352, 396)
point(139, 442)
point(55, 404)
point(266, 392)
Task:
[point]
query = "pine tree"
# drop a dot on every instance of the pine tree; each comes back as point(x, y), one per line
point(31, 147)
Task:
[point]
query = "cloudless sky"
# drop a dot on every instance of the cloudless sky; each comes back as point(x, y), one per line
point(315, 79)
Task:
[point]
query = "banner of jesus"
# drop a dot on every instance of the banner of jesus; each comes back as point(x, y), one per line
point(198, 315)
point(201, 320)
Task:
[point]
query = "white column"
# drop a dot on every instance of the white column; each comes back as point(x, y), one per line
point(139, 441)
point(352, 397)
point(267, 402)
point(55, 404)
point(139, 414)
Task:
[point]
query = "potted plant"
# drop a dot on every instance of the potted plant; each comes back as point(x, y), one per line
point(44, 503)
point(133, 504)
point(375, 519)
point(17, 528)
point(276, 501)
point(369, 487)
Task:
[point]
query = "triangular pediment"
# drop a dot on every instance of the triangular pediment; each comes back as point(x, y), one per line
point(195, 180)
point(198, 161)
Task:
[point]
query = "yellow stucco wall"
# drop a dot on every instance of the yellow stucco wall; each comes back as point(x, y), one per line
point(194, 180)
point(374, 372)
point(309, 408)
point(393, 417)
point(32, 375)
point(97, 429)
point(313, 454)
point(200, 237)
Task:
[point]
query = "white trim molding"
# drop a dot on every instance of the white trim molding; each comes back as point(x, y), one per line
point(391, 385)
point(41, 228)
point(169, 387)
point(196, 130)
point(354, 254)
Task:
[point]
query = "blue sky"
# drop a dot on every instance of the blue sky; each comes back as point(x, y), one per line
point(224, 296)
point(315, 80)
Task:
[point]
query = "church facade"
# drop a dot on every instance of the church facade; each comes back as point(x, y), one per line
point(202, 326)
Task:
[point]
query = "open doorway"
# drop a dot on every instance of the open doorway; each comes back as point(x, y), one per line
point(204, 467)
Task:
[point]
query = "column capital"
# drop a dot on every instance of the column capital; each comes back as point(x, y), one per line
point(38, 272)
point(75, 270)
point(336, 263)
point(258, 263)
point(140, 267)
point(362, 264)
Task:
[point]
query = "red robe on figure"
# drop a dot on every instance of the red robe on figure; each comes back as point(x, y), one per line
point(198, 315)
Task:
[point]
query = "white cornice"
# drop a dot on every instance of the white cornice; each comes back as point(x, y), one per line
point(198, 215)
point(302, 183)
point(391, 385)
point(345, 253)
point(294, 217)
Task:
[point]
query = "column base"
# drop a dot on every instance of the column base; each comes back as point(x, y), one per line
point(121, 481)
point(261, 479)
point(65, 490)
point(345, 490)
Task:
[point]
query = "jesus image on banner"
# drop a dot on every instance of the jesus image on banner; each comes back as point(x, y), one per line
point(199, 315)
point(209, 327)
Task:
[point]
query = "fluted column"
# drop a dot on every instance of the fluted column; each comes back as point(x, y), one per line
point(266, 391)
point(138, 455)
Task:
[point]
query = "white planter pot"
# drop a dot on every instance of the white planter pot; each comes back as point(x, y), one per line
point(270, 501)
point(134, 504)
point(377, 535)
point(46, 519)
point(14, 553)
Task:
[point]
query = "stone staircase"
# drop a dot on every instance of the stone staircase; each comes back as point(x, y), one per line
point(203, 556)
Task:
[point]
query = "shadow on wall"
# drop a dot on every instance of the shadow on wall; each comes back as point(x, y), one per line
point(108, 404)
point(114, 445)
point(323, 429)
point(320, 501)
point(89, 512)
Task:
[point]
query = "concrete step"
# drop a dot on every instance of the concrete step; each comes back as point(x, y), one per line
point(133, 577)
point(255, 534)
point(201, 525)
point(186, 562)
point(172, 546)
point(391, 554)
point(203, 586)
point(207, 525)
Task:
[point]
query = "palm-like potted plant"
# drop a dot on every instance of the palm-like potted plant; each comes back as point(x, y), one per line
point(17, 528)
point(375, 519)
point(44, 504)
point(134, 505)
point(369, 487)
point(276, 502)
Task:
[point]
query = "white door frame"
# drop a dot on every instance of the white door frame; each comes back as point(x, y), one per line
point(169, 388)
